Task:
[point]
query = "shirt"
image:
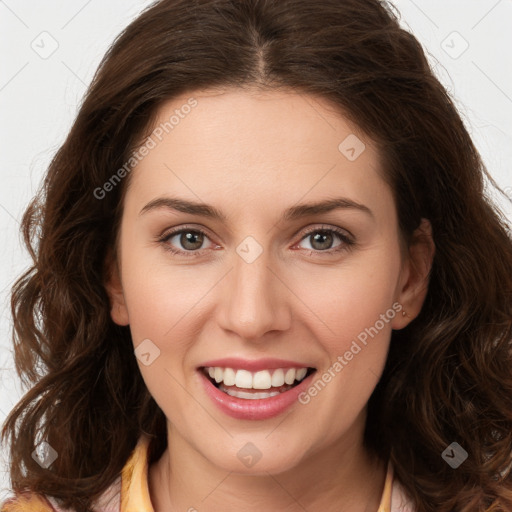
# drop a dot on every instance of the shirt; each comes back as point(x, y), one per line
point(130, 491)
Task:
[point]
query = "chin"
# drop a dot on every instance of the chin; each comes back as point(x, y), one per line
point(257, 458)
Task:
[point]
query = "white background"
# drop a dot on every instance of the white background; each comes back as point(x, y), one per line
point(39, 99)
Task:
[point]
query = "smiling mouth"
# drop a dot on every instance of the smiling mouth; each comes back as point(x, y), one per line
point(255, 385)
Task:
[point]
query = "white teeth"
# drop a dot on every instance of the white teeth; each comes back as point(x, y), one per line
point(229, 377)
point(289, 376)
point(243, 379)
point(301, 373)
point(263, 379)
point(278, 378)
point(251, 396)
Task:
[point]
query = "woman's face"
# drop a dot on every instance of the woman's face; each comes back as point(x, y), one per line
point(258, 237)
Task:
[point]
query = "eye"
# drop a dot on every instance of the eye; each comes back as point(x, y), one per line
point(322, 240)
point(189, 241)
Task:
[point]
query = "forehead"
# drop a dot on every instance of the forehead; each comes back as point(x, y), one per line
point(251, 118)
point(240, 145)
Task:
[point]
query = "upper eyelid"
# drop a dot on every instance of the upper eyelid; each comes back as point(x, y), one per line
point(168, 233)
point(326, 228)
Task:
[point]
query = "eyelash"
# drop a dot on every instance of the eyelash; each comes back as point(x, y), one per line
point(346, 241)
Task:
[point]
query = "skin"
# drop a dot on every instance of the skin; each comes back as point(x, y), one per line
point(252, 155)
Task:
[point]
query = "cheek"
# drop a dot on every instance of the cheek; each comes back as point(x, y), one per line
point(350, 299)
point(355, 310)
point(157, 304)
point(165, 314)
point(162, 298)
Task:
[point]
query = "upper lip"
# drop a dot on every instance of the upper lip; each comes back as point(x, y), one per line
point(253, 365)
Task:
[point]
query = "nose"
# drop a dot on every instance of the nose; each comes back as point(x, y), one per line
point(254, 300)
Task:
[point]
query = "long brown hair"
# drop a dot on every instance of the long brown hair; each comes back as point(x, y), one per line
point(448, 377)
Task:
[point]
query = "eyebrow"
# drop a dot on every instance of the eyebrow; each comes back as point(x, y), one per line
point(292, 213)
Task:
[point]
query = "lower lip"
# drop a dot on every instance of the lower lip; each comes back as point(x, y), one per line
point(258, 409)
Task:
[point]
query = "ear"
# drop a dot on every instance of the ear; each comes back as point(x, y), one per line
point(114, 288)
point(414, 278)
